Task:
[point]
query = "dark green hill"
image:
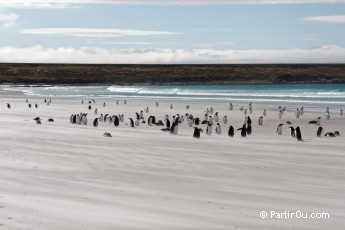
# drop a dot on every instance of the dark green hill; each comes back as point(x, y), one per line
point(170, 74)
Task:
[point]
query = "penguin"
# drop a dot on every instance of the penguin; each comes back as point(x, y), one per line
point(71, 118)
point(288, 122)
point(231, 131)
point(84, 119)
point(82, 101)
point(101, 119)
point(301, 111)
point(196, 133)
point(264, 113)
point(280, 129)
point(89, 107)
point(38, 121)
point(125, 102)
point(280, 115)
point(319, 131)
point(243, 131)
point(298, 134)
point(117, 102)
point(241, 108)
point(74, 119)
point(315, 122)
point(215, 117)
point(106, 134)
point(210, 120)
point(260, 121)
point(225, 119)
point(37, 118)
point(187, 106)
point(218, 129)
point(245, 111)
point(167, 123)
point(197, 121)
point(106, 117)
point(78, 119)
point(147, 110)
point(328, 116)
point(95, 122)
point(8, 105)
point(250, 108)
point(190, 122)
point(93, 100)
point(341, 112)
point(249, 121)
point(249, 129)
point(36, 106)
point(329, 134)
point(171, 106)
point(104, 104)
point(137, 122)
point(292, 131)
point(174, 128)
point(30, 105)
point(336, 133)
point(230, 107)
point(116, 121)
point(297, 113)
point(157, 104)
point(96, 111)
point(131, 122)
point(149, 121)
point(50, 120)
point(327, 110)
point(209, 129)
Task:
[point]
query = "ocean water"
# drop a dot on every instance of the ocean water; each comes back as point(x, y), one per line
point(261, 94)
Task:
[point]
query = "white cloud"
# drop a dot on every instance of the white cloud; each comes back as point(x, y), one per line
point(71, 3)
point(92, 32)
point(327, 19)
point(215, 44)
point(39, 54)
point(8, 19)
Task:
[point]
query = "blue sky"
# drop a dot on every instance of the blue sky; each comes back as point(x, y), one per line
point(172, 31)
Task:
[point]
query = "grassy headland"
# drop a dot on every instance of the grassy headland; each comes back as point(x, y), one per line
point(171, 74)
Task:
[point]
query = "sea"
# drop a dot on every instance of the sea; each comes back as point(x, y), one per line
point(314, 96)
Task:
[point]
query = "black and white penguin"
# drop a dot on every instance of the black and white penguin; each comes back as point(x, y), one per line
point(319, 131)
point(157, 104)
point(50, 120)
point(106, 134)
point(197, 121)
point(96, 111)
point(279, 130)
point(218, 129)
point(215, 117)
point(264, 113)
point(101, 119)
point(174, 128)
point(297, 113)
point(249, 121)
point(231, 131)
point(249, 129)
point(341, 112)
point(337, 133)
point(298, 134)
point(36, 106)
point(225, 119)
point(261, 120)
point(243, 131)
point(292, 131)
point(131, 122)
point(196, 133)
point(30, 105)
point(209, 129)
point(84, 119)
point(329, 134)
point(167, 123)
point(187, 106)
point(95, 122)
point(171, 106)
point(89, 107)
point(245, 112)
point(104, 104)
point(8, 105)
point(230, 107)
point(116, 121)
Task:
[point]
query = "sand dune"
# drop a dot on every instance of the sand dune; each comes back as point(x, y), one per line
point(66, 176)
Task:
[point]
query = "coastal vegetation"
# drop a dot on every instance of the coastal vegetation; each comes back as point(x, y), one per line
point(170, 74)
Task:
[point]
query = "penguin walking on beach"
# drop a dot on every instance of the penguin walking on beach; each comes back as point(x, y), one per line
point(218, 129)
point(231, 131)
point(249, 129)
point(215, 117)
point(328, 116)
point(8, 105)
point(292, 131)
point(329, 134)
point(84, 119)
point(89, 107)
point(319, 131)
point(264, 113)
point(29, 105)
point(197, 121)
point(174, 128)
point(116, 121)
point(171, 106)
point(196, 133)
point(341, 112)
point(225, 119)
point(250, 108)
point(231, 107)
point(249, 121)
point(209, 129)
point(131, 122)
point(297, 113)
point(261, 120)
point(95, 112)
point(243, 131)
point(298, 134)
point(190, 121)
point(167, 124)
point(95, 122)
point(280, 129)
point(157, 104)
point(101, 119)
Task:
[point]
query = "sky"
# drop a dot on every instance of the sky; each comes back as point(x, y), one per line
point(172, 31)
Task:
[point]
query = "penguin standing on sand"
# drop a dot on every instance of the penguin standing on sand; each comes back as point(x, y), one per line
point(280, 129)
point(171, 106)
point(231, 131)
point(168, 124)
point(197, 121)
point(243, 131)
point(215, 117)
point(89, 107)
point(341, 112)
point(209, 129)
point(264, 112)
point(297, 113)
point(225, 119)
point(260, 121)
point(95, 122)
point(196, 133)
point(218, 129)
point(137, 121)
point(174, 128)
point(319, 131)
point(116, 121)
point(298, 134)
point(230, 107)
point(249, 129)
point(8, 105)
point(292, 131)
point(131, 122)
point(84, 119)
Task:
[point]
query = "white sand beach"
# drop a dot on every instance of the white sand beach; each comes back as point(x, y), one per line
point(58, 175)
